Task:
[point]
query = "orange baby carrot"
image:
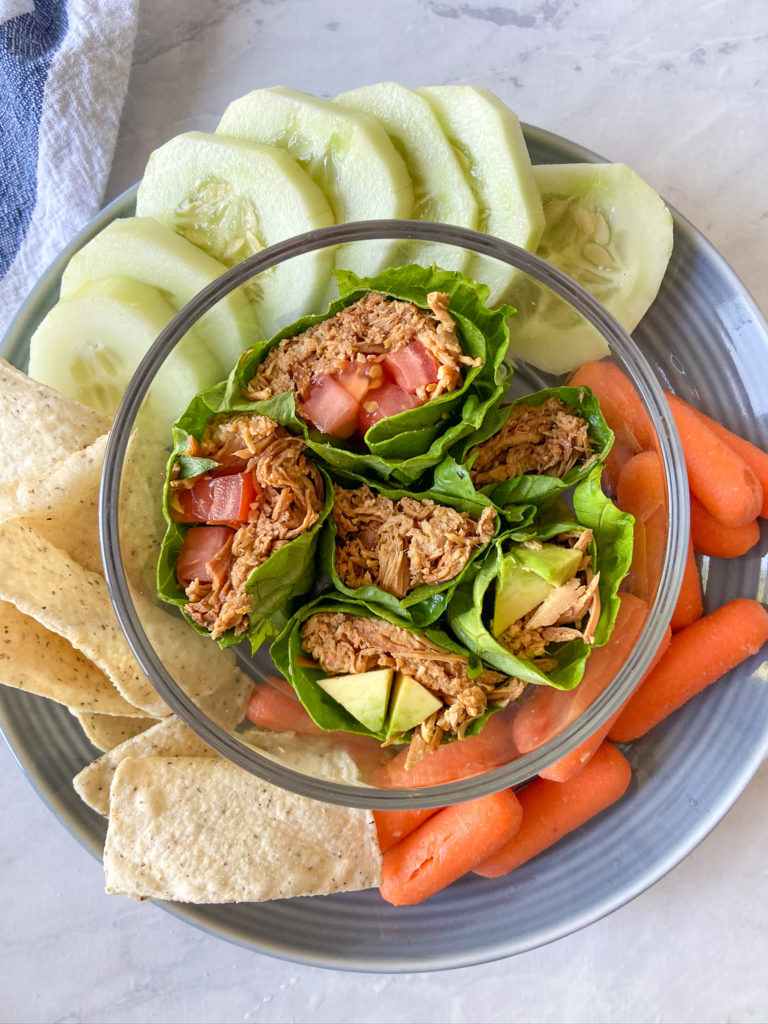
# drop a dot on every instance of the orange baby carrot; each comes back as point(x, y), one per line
point(619, 402)
point(492, 747)
point(270, 708)
point(447, 845)
point(697, 656)
point(720, 479)
point(392, 826)
point(624, 447)
point(642, 492)
point(552, 809)
point(712, 538)
point(569, 766)
point(689, 605)
point(755, 458)
point(546, 711)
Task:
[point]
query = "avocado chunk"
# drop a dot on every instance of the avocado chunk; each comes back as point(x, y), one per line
point(364, 695)
point(518, 591)
point(552, 562)
point(411, 704)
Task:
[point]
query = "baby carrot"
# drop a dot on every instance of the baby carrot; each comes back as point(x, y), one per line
point(546, 711)
point(720, 479)
point(624, 447)
point(755, 458)
point(569, 766)
point(619, 402)
point(697, 656)
point(270, 708)
point(712, 538)
point(447, 845)
point(689, 605)
point(552, 809)
point(392, 826)
point(642, 492)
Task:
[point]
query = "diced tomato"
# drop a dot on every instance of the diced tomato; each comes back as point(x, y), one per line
point(388, 400)
point(411, 367)
point(201, 544)
point(221, 499)
point(330, 408)
point(355, 379)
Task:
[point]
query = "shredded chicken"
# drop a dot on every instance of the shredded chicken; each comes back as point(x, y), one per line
point(289, 497)
point(560, 615)
point(365, 331)
point(349, 645)
point(399, 545)
point(548, 439)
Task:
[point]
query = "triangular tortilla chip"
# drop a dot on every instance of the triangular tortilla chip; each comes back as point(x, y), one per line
point(46, 584)
point(38, 661)
point(40, 426)
point(205, 831)
point(108, 731)
point(169, 738)
point(62, 504)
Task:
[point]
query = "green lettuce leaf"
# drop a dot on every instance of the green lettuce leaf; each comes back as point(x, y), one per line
point(401, 448)
point(611, 550)
point(426, 603)
point(287, 574)
point(532, 487)
point(323, 709)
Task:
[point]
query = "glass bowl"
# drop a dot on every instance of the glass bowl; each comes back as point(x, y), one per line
point(207, 687)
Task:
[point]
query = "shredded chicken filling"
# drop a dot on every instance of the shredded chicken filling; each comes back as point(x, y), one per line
point(289, 498)
point(561, 616)
point(366, 332)
point(399, 545)
point(348, 645)
point(547, 439)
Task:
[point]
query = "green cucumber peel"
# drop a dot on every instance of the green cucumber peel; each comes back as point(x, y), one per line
point(401, 448)
point(611, 551)
point(531, 487)
point(286, 575)
point(322, 708)
point(426, 603)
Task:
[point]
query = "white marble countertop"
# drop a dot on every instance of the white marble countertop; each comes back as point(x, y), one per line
point(680, 93)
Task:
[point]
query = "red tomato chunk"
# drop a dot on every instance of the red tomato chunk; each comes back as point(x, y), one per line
point(411, 367)
point(356, 378)
point(201, 544)
point(388, 400)
point(222, 499)
point(331, 408)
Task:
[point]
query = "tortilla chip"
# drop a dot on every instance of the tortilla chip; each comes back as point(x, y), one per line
point(205, 831)
point(45, 583)
point(108, 731)
point(40, 426)
point(35, 660)
point(169, 738)
point(62, 504)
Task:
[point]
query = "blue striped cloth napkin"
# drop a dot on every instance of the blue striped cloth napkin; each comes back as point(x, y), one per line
point(63, 77)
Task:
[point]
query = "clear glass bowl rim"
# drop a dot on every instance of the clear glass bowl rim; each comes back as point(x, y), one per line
point(524, 767)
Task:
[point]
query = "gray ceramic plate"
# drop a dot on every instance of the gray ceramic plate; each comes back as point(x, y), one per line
point(708, 342)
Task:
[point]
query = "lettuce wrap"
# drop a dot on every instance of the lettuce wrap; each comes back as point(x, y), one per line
point(610, 547)
point(288, 572)
point(401, 447)
point(562, 454)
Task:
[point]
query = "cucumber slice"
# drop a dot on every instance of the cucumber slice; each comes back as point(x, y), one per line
point(613, 234)
point(89, 345)
point(233, 198)
point(441, 191)
point(349, 157)
point(149, 252)
point(488, 136)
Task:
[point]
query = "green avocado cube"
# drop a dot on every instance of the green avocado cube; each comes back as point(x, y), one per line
point(518, 591)
point(411, 705)
point(552, 562)
point(364, 695)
